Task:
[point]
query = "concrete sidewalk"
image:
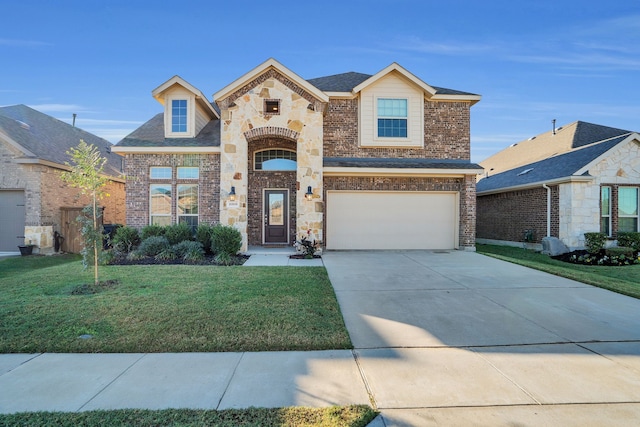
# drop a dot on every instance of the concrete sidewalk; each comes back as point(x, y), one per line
point(81, 382)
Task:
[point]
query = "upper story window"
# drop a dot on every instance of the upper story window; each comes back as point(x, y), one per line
point(160, 172)
point(179, 115)
point(392, 118)
point(275, 160)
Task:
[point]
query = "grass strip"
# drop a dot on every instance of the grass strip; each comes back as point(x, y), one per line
point(623, 279)
point(338, 416)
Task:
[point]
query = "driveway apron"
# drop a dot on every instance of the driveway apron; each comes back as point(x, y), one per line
point(450, 335)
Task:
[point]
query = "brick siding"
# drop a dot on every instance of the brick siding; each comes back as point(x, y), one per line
point(446, 125)
point(137, 172)
point(506, 216)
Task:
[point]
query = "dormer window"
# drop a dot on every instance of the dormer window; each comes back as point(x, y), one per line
point(392, 118)
point(178, 115)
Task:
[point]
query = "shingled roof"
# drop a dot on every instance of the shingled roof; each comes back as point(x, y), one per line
point(345, 82)
point(553, 168)
point(548, 144)
point(42, 137)
point(398, 163)
point(151, 134)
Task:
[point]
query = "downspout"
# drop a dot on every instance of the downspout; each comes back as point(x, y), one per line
point(548, 209)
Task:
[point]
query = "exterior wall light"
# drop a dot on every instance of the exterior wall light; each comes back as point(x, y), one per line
point(309, 194)
point(232, 194)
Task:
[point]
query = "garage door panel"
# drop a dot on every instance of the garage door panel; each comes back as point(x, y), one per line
point(391, 220)
point(12, 220)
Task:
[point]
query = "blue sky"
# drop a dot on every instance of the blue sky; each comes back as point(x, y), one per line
point(532, 61)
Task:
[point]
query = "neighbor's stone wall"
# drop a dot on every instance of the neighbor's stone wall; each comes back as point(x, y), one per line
point(242, 113)
point(446, 132)
point(259, 180)
point(464, 186)
point(506, 216)
point(137, 187)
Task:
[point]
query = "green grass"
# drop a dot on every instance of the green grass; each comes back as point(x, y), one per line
point(624, 279)
point(344, 416)
point(172, 308)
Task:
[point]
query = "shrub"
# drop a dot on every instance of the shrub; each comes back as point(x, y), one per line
point(189, 249)
point(225, 240)
point(177, 233)
point(167, 254)
point(620, 251)
point(629, 239)
point(203, 235)
point(135, 256)
point(594, 242)
point(152, 230)
point(153, 245)
point(126, 239)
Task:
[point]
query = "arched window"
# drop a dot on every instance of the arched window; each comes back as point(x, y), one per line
point(275, 160)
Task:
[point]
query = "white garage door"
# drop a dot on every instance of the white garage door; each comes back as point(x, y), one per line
point(392, 220)
point(12, 217)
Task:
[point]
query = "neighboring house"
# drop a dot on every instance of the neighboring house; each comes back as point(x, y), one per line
point(33, 150)
point(575, 179)
point(358, 161)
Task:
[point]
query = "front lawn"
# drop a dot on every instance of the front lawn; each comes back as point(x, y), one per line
point(44, 307)
point(622, 279)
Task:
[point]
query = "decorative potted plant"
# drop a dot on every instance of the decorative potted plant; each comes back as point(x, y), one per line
point(26, 249)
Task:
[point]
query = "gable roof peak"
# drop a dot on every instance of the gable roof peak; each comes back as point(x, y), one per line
point(267, 65)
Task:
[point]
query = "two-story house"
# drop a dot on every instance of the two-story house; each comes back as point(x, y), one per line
point(359, 161)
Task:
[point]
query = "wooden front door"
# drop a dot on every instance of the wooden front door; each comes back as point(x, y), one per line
point(276, 217)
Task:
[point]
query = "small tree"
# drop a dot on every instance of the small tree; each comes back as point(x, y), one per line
point(87, 175)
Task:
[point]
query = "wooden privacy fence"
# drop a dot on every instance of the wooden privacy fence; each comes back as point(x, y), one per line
point(71, 229)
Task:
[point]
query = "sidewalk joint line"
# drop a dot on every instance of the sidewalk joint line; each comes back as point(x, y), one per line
point(113, 381)
point(372, 398)
point(233, 374)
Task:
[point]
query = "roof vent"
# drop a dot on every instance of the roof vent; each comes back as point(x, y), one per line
point(23, 125)
point(513, 145)
point(526, 171)
point(532, 138)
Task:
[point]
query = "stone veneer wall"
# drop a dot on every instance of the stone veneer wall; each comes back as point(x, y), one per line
point(446, 126)
point(137, 188)
point(464, 186)
point(506, 216)
point(258, 180)
point(242, 112)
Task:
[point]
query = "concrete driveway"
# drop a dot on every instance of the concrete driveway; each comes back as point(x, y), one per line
point(458, 338)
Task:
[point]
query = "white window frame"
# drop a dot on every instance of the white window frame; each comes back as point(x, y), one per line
point(168, 116)
point(637, 215)
point(378, 117)
point(185, 169)
point(158, 168)
point(151, 213)
point(608, 214)
point(178, 214)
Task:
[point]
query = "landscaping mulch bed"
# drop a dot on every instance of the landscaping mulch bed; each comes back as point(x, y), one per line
point(601, 258)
